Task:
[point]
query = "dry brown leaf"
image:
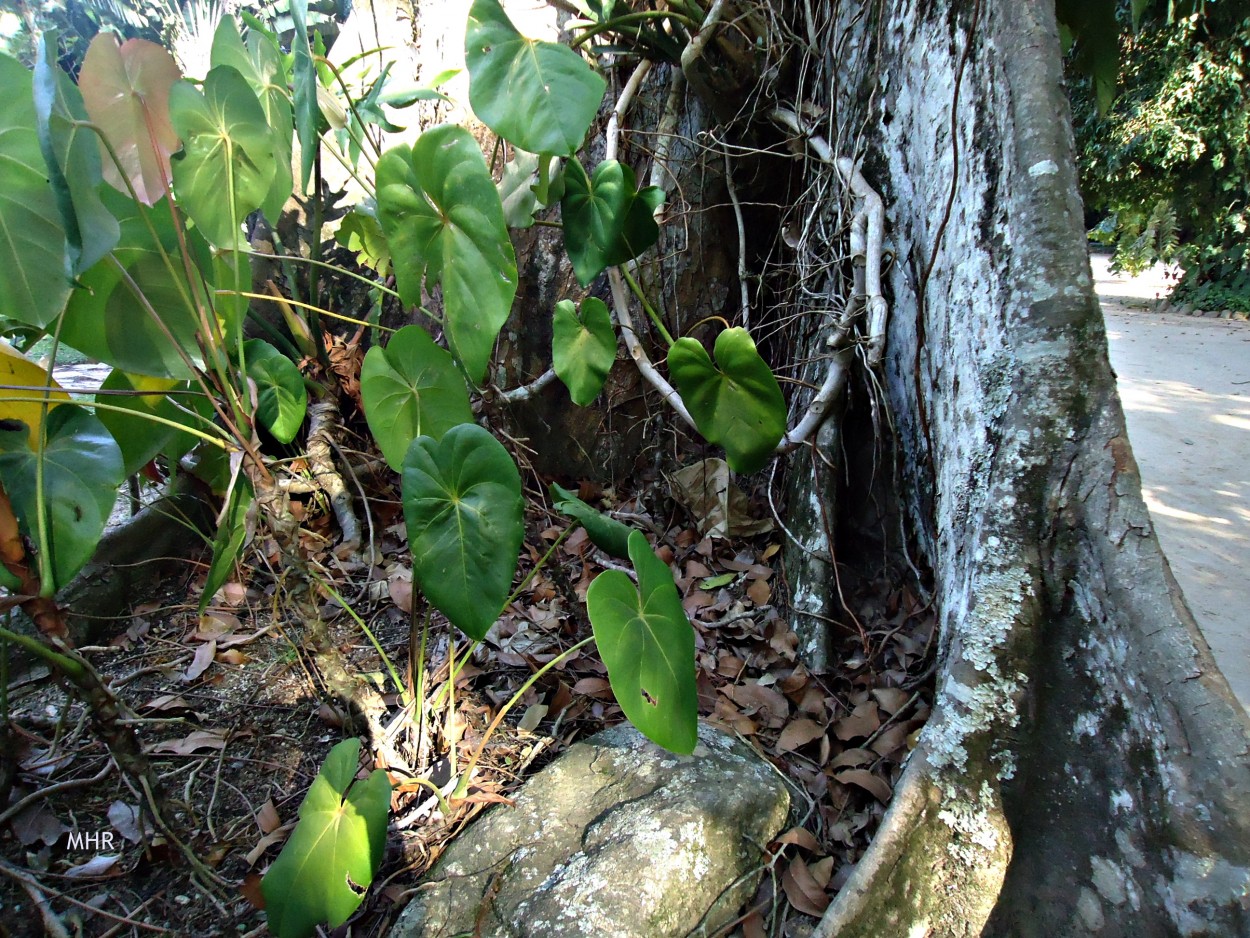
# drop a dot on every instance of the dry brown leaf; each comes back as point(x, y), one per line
point(799, 733)
point(267, 818)
point(753, 925)
point(759, 592)
point(533, 715)
point(103, 865)
point(853, 757)
point(800, 837)
point(892, 739)
point(864, 779)
point(200, 739)
point(273, 837)
point(593, 687)
point(232, 656)
point(862, 721)
point(399, 585)
point(822, 871)
point(717, 506)
point(37, 822)
point(166, 702)
point(755, 698)
point(250, 890)
point(804, 893)
point(127, 820)
point(203, 658)
point(891, 699)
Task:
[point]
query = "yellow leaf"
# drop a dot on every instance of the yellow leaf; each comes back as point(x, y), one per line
point(18, 371)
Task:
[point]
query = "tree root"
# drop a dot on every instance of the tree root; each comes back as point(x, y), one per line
point(323, 424)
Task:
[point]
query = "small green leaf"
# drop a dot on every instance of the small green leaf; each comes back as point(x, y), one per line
point(648, 646)
point(228, 164)
point(583, 348)
point(608, 534)
point(444, 223)
point(126, 89)
point(82, 471)
point(360, 231)
point(326, 867)
point(32, 242)
point(281, 399)
point(231, 533)
point(607, 220)
point(518, 188)
point(540, 96)
point(716, 582)
point(736, 402)
point(465, 517)
point(411, 388)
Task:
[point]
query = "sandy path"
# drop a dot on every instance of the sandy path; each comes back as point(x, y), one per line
point(1185, 385)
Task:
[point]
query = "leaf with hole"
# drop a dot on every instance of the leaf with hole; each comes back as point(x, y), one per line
point(444, 223)
point(465, 518)
point(18, 371)
point(227, 165)
point(648, 646)
point(126, 89)
point(608, 534)
point(332, 855)
point(281, 400)
point(411, 388)
point(736, 403)
point(33, 277)
point(72, 155)
point(82, 471)
point(583, 347)
point(540, 96)
point(607, 219)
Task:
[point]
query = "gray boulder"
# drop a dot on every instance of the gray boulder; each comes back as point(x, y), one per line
point(617, 838)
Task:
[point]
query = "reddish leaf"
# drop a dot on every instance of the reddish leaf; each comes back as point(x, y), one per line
point(759, 592)
point(250, 890)
point(126, 92)
point(267, 818)
point(800, 837)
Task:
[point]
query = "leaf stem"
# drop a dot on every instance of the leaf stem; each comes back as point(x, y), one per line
point(642, 298)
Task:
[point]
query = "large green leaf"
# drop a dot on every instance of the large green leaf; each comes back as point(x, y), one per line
point(105, 319)
point(139, 438)
point(260, 63)
point(327, 865)
point(82, 471)
point(583, 347)
point(72, 155)
point(281, 399)
point(442, 218)
point(607, 219)
point(608, 534)
point(227, 165)
point(411, 388)
point(647, 644)
point(231, 533)
point(540, 96)
point(736, 402)
point(32, 242)
point(465, 518)
point(126, 91)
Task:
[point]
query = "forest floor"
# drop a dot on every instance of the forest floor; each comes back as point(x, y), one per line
point(1185, 385)
point(238, 707)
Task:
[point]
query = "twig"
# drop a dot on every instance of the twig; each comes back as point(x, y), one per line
point(527, 391)
point(25, 879)
point(613, 132)
point(643, 362)
point(69, 785)
point(742, 243)
point(694, 49)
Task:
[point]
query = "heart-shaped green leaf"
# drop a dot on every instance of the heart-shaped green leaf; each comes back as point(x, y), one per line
point(126, 91)
point(540, 96)
point(411, 388)
point(82, 471)
point(228, 164)
point(607, 220)
point(647, 644)
point(105, 319)
point(583, 347)
point(326, 867)
point(281, 399)
point(736, 403)
point(444, 223)
point(72, 155)
point(608, 534)
point(32, 242)
point(465, 517)
point(360, 231)
point(231, 534)
point(260, 64)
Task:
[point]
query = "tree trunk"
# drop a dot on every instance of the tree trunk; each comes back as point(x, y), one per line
point(1085, 769)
